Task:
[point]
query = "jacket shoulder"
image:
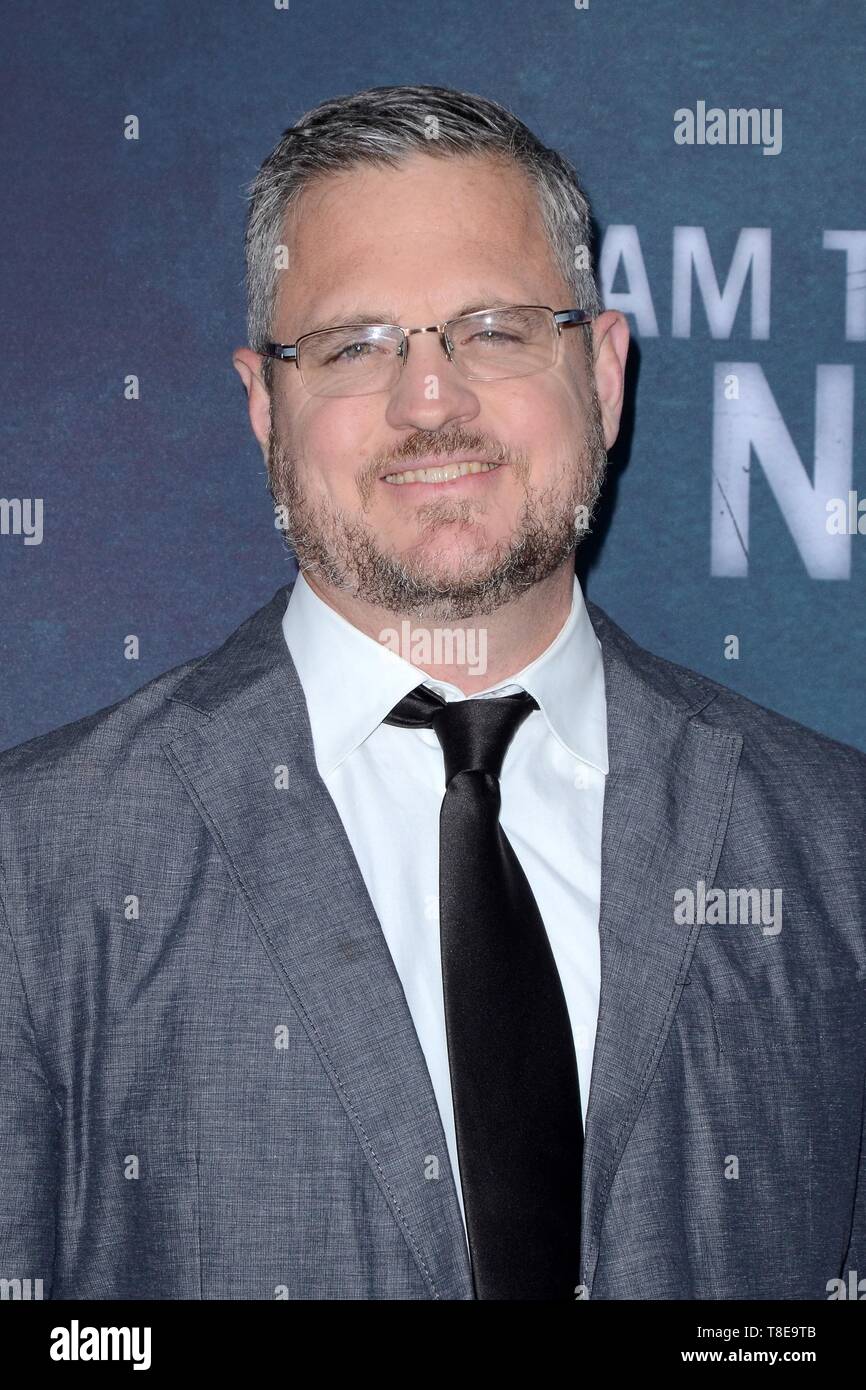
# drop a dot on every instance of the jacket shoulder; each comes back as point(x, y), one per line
point(767, 735)
point(96, 741)
point(119, 749)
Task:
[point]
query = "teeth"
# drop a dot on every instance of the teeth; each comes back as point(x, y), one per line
point(440, 475)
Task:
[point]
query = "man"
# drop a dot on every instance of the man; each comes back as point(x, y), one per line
point(430, 939)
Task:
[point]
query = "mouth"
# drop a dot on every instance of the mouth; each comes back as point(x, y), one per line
point(441, 473)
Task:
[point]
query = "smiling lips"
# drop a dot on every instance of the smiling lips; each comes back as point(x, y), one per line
point(445, 473)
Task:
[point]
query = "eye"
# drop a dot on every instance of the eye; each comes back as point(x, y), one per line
point(353, 352)
point(493, 337)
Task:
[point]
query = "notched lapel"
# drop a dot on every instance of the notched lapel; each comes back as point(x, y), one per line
point(293, 867)
point(666, 808)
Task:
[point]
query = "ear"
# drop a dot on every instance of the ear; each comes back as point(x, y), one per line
point(248, 365)
point(610, 339)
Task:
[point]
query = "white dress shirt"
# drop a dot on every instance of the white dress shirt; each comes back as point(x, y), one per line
point(388, 783)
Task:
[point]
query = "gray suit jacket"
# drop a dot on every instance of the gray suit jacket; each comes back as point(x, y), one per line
point(210, 1083)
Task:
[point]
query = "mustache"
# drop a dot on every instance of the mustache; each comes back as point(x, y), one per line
point(442, 444)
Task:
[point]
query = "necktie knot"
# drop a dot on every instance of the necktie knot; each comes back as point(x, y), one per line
point(474, 734)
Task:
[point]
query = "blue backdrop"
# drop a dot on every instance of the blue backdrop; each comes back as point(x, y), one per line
point(743, 274)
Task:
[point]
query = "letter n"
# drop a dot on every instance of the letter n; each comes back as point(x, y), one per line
point(751, 426)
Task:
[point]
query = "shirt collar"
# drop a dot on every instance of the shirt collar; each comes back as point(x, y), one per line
point(351, 682)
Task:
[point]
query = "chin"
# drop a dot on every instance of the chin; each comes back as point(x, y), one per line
point(444, 564)
point(458, 542)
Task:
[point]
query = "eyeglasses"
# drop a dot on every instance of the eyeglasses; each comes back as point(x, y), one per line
point(489, 345)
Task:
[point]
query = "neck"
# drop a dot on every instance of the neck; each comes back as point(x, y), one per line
point(470, 653)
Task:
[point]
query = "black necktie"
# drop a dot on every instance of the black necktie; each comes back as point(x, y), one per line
point(511, 1054)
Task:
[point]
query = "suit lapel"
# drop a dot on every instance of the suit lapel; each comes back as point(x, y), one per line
point(294, 869)
point(666, 808)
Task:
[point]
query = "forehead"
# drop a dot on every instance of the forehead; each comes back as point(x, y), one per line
point(431, 233)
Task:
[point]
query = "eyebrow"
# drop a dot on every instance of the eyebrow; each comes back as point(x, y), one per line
point(352, 316)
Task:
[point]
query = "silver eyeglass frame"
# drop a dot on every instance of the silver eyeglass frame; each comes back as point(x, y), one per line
point(562, 318)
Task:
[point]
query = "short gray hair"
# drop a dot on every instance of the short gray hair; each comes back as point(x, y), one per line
point(383, 126)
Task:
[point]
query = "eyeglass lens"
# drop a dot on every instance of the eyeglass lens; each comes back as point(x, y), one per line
point(488, 346)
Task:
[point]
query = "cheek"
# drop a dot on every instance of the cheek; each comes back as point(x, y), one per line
point(333, 441)
point(541, 420)
point(564, 406)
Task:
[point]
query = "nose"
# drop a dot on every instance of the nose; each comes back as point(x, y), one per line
point(430, 392)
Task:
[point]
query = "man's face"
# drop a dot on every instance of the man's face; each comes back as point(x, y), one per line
point(415, 245)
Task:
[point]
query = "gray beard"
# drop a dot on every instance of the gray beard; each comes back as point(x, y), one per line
point(345, 552)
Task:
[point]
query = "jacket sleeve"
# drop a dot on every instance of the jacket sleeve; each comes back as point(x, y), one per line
point(29, 1140)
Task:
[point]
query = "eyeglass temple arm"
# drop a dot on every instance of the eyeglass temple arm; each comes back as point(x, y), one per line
point(567, 318)
point(281, 351)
